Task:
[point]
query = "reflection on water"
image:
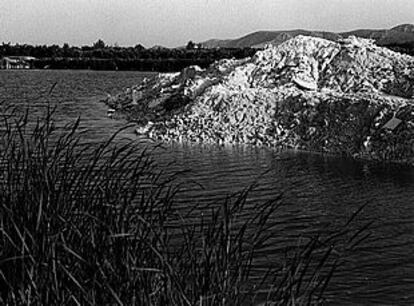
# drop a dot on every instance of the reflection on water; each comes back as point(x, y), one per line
point(319, 191)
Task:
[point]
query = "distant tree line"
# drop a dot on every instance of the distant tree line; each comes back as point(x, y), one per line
point(100, 56)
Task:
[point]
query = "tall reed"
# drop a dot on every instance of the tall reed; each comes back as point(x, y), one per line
point(97, 225)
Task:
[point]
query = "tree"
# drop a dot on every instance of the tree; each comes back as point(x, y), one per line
point(190, 45)
point(139, 47)
point(100, 44)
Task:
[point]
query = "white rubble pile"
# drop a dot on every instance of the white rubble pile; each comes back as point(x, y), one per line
point(306, 93)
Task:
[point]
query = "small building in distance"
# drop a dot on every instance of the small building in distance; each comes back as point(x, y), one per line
point(17, 62)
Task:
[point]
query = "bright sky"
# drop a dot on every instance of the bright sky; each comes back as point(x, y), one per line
point(173, 23)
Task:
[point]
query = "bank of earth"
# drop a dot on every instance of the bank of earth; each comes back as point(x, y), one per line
point(349, 98)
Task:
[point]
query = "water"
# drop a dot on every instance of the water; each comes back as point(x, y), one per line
point(319, 191)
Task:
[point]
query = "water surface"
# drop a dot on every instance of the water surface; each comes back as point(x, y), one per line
point(320, 192)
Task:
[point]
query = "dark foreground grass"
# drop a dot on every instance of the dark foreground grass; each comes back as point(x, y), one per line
point(97, 225)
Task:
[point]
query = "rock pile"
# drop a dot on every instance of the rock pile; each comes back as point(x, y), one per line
point(350, 97)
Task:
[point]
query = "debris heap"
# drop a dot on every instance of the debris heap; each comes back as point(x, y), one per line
point(349, 97)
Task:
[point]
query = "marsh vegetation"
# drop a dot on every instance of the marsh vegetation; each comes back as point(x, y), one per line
point(96, 225)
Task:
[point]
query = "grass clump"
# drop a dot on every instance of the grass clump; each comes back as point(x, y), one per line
point(97, 225)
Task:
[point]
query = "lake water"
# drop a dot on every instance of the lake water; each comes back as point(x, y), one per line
point(319, 191)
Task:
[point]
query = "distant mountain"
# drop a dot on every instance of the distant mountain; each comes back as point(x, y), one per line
point(396, 36)
point(158, 47)
point(214, 43)
point(281, 36)
point(401, 34)
point(404, 28)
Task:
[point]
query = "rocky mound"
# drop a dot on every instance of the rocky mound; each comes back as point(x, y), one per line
point(349, 97)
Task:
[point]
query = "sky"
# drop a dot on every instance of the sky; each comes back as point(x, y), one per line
point(173, 23)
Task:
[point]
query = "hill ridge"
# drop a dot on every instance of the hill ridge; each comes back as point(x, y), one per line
point(400, 34)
